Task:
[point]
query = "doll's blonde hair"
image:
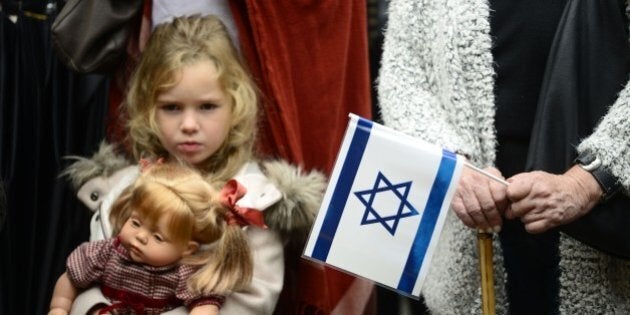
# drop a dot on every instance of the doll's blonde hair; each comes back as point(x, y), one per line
point(195, 213)
point(172, 46)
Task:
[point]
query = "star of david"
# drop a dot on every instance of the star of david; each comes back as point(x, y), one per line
point(384, 214)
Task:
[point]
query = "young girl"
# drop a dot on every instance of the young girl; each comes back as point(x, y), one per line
point(161, 257)
point(191, 100)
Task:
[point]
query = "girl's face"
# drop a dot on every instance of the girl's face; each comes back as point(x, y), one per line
point(194, 116)
point(152, 245)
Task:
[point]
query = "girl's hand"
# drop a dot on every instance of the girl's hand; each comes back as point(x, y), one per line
point(480, 201)
point(543, 201)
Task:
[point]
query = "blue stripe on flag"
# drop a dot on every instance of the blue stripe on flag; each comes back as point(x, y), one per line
point(342, 189)
point(427, 224)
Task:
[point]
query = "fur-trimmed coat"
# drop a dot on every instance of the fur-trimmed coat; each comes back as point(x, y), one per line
point(288, 197)
point(436, 83)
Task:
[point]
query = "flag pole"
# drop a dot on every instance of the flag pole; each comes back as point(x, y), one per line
point(484, 243)
point(484, 173)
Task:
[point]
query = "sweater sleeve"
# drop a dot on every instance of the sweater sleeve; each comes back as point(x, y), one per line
point(435, 81)
point(611, 139)
point(406, 96)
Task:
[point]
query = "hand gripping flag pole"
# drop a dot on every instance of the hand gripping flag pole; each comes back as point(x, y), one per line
point(383, 211)
point(484, 243)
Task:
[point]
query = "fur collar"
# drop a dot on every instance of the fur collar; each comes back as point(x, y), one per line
point(292, 216)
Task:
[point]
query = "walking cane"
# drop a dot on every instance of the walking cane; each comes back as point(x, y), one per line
point(484, 243)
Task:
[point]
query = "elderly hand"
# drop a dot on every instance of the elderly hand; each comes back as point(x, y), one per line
point(543, 201)
point(480, 201)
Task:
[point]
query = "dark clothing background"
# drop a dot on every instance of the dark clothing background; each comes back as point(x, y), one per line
point(46, 112)
point(523, 32)
point(559, 65)
point(587, 67)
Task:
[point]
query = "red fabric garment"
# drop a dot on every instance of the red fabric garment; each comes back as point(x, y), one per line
point(310, 60)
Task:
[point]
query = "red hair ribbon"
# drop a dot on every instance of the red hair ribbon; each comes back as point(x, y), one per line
point(230, 194)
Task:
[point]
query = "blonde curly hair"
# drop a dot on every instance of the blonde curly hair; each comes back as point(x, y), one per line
point(183, 42)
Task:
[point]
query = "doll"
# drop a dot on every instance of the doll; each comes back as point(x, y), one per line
point(178, 241)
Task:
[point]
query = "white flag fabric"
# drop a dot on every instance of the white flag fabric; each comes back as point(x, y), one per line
point(385, 206)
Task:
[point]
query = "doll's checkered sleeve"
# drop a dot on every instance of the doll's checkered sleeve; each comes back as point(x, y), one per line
point(86, 263)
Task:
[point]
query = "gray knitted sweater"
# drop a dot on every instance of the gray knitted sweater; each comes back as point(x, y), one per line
point(436, 83)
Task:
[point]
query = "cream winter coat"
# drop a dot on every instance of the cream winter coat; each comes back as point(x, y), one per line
point(288, 197)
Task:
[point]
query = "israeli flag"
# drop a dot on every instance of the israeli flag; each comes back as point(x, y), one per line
point(385, 206)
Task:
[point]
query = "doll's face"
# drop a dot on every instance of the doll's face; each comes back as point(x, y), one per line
point(152, 245)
